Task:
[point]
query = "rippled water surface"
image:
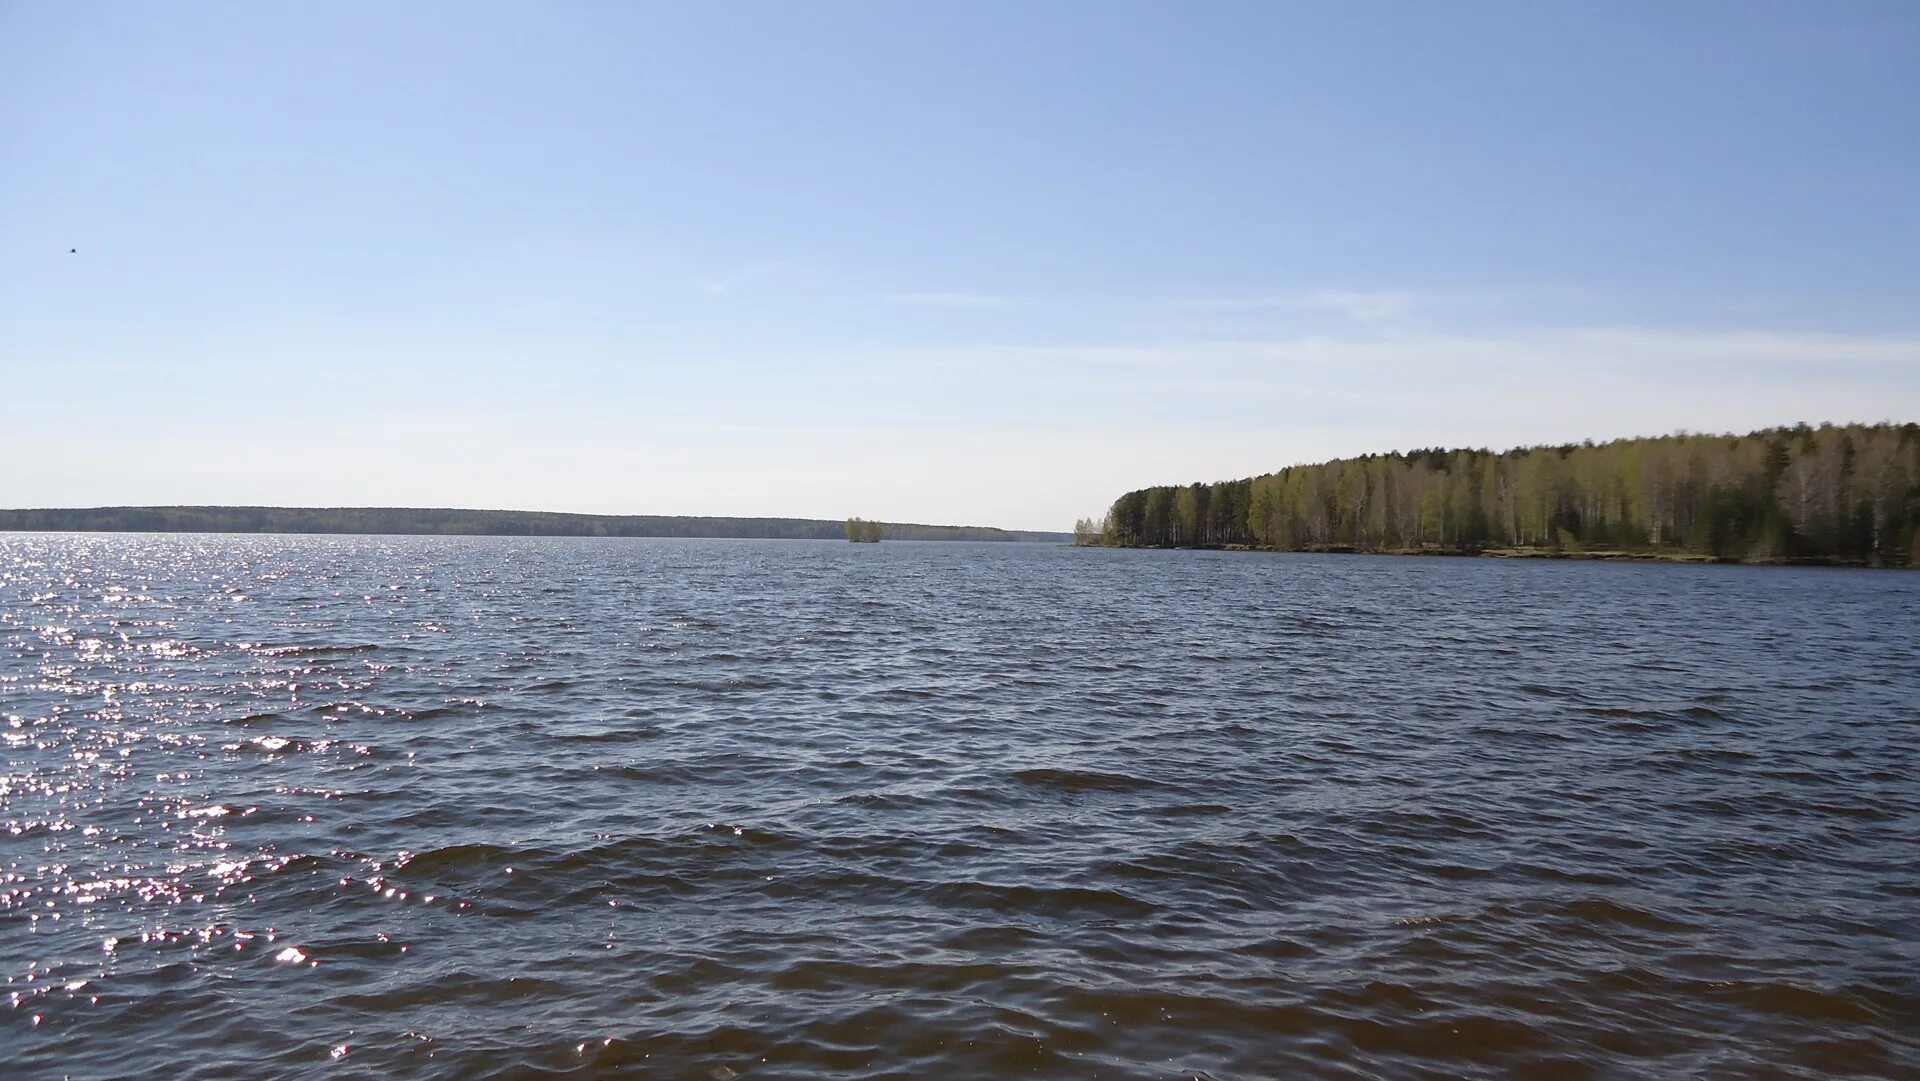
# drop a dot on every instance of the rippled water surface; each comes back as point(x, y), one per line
point(398, 807)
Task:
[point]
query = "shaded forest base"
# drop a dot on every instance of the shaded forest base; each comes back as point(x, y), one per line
point(1615, 555)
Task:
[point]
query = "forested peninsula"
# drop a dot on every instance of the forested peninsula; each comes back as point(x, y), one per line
point(439, 522)
point(1836, 494)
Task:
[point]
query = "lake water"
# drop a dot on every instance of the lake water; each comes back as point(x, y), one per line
point(490, 808)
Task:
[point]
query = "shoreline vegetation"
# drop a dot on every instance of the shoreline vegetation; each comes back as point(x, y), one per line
point(1832, 495)
point(1604, 555)
point(411, 521)
point(862, 531)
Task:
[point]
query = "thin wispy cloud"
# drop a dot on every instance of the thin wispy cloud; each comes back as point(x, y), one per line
point(1366, 306)
point(1360, 305)
point(1356, 304)
point(1608, 346)
point(740, 277)
point(1404, 370)
point(948, 300)
point(1236, 303)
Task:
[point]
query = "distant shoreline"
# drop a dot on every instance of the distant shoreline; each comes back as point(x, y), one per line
point(456, 522)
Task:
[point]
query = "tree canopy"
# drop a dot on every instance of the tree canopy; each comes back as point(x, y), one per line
point(1833, 493)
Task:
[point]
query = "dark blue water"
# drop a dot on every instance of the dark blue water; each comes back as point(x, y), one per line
point(489, 808)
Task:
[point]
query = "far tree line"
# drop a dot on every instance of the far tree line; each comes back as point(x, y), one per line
point(457, 522)
point(1832, 493)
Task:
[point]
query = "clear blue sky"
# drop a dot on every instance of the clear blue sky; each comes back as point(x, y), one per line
point(984, 263)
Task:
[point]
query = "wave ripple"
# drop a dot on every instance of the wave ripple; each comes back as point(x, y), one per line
point(501, 808)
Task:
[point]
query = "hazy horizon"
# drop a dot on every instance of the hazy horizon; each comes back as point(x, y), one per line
point(988, 265)
point(902, 521)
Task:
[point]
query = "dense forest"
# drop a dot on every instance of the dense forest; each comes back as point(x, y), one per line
point(1833, 494)
point(509, 523)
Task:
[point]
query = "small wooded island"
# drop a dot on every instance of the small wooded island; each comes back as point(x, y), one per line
point(1833, 494)
point(861, 531)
